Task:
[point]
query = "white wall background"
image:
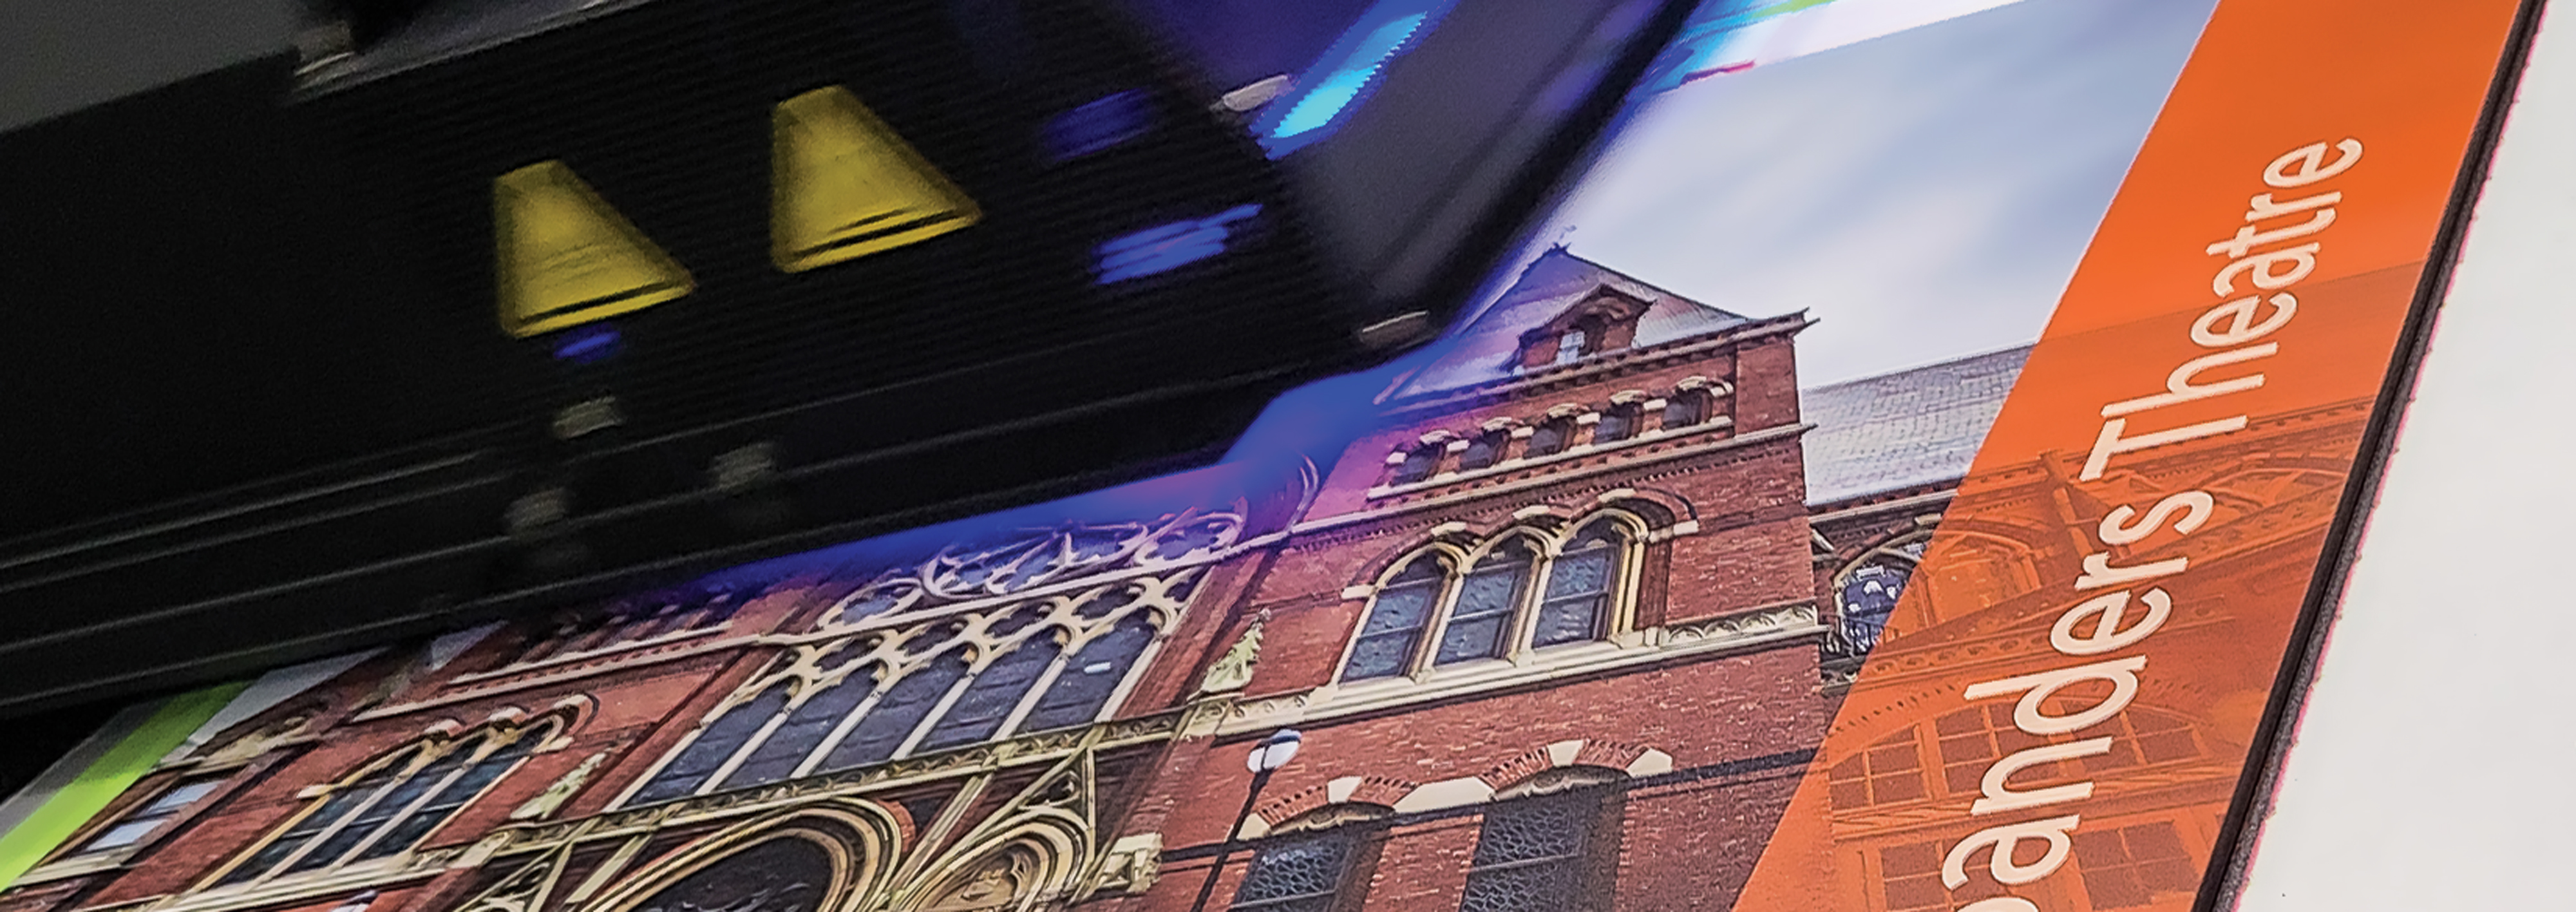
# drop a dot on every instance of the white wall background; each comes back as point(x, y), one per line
point(2430, 770)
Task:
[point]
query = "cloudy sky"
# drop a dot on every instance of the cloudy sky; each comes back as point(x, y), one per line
point(1926, 194)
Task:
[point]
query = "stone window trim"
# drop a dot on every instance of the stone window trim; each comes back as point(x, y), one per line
point(890, 652)
point(1616, 619)
point(509, 735)
point(1442, 450)
point(1762, 627)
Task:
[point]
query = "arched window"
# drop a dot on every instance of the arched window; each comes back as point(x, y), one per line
point(1417, 465)
point(389, 809)
point(1578, 586)
point(1520, 595)
point(1387, 639)
point(946, 681)
point(1546, 851)
point(1549, 438)
point(1685, 408)
point(1482, 622)
point(1483, 451)
point(1619, 422)
point(1889, 771)
point(1866, 590)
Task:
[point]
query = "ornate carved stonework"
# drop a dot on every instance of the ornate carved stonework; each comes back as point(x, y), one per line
point(1233, 670)
point(544, 805)
point(970, 571)
point(1131, 866)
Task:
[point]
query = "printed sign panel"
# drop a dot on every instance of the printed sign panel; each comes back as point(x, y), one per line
point(1895, 478)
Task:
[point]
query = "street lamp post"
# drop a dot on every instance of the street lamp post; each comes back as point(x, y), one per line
point(1266, 758)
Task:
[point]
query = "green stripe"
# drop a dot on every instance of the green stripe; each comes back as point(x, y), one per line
point(113, 773)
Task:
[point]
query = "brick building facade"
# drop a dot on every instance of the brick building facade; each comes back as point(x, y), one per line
point(1562, 632)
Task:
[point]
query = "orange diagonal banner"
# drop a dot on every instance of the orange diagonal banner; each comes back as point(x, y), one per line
point(2182, 434)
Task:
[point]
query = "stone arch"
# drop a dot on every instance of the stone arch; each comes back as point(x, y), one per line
point(1020, 869)
point(1589, 753)
point(1356, 791)
point(850, 843)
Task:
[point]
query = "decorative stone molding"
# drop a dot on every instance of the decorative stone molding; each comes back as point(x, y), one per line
point(1800, 617)
point(545, 803)
point(1233, 670)
point(1132, 864)
point(1575, 453)
point(1760, 628)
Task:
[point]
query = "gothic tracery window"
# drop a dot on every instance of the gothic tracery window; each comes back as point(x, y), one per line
point(1522, 593)
point(1042, 663)
point(390, 808)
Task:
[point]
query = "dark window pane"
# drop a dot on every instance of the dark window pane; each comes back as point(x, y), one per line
point(1685, 409)
point(1482, 452)
point(781, 874)
point(339, 805)
point(1550, 438)
point(1395, 621)
point(458, 792)
point(1530, 853)
point(1578, 589)
point(713, 747)
point(394, 801)
point(988, 702)
point(1083, 688)
point(897, 714)
point(1298, 874)
point(806, 727)
point(1417, 465)
point(1616, 424)
point(1488, 600)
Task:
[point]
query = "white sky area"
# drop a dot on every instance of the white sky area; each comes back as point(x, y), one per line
point(1925, 195)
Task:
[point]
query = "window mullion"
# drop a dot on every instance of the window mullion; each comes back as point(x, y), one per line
point(324, 835)
point(1436, 624)
point(939, 710)
point(1045, 681)
point(1529, 604)
point(841, 730)
point(743, 751)
point(427, 795)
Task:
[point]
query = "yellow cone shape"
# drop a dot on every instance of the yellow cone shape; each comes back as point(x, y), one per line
point(564, 258)
point(843, 185)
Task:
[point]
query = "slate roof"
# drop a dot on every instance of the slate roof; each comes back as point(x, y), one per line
point(1906, 428)
point(1558, 279)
